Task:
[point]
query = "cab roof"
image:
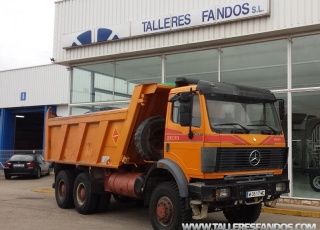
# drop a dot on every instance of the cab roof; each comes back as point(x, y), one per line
point(205, 87)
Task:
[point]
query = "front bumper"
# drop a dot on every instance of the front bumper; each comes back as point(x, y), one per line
point(238, 191)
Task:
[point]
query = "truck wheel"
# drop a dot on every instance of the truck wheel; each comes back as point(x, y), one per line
point(63, 188)
point(104, 201)
point(149, 138)
point(243, 213)
point(167, 209)
point(84, 200)
point(315, 182)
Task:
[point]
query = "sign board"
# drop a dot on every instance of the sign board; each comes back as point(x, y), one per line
point(213, 15)
point(23, 96)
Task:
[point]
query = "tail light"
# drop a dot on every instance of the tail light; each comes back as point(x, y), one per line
point(7, 164)
point(30, 164)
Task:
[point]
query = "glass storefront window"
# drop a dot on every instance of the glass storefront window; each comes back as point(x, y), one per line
point(306, 61)
point(107, 82)
point(284, 125)
point(83, 109)
point(80, 87)
point(198, 64)
point(261, 64)
point(92, 83)
point(136, 71)
point(306, 139)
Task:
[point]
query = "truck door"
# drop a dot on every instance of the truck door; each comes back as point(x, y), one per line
point(179, 147)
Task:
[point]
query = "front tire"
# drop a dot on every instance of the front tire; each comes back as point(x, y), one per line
point(64, 188)
point(84, 200)
point(315, 182)
point(167, 209)
point(243, 213)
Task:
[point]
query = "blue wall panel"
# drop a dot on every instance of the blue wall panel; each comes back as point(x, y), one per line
point(7, 129)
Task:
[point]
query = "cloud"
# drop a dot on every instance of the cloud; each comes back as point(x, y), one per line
point(26, 33)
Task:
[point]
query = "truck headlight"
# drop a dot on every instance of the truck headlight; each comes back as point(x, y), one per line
point(280, 187)
point(223, 193)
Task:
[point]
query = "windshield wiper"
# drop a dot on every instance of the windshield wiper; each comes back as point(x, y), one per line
point(244, 128)
point(272, 129)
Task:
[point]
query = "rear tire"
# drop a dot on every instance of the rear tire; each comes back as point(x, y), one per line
point(64, 188)
point(243, 213)
point(8, 177)
point(84, 200)
point(149, 138)
point(167, 209)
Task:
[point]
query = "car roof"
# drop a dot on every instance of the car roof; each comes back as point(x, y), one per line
point(24, 154)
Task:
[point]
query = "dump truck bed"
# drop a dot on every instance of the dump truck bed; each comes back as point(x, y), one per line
point(104, 139)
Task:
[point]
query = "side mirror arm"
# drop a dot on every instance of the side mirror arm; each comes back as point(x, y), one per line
point(190, 134)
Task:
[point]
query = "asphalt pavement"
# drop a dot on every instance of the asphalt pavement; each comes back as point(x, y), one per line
point(280, 208)
point(30, 203)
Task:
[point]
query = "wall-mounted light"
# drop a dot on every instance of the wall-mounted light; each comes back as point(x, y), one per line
point(19, 116)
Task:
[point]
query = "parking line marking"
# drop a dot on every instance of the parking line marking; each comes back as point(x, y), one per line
point(48, 191)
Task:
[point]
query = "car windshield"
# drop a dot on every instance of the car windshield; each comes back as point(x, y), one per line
point(21, 158)
point(232, 114)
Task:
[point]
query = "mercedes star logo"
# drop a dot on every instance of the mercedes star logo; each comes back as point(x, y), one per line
point(254, 158)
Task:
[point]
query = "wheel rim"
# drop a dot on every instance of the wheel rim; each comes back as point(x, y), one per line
point(39, 173)
point(164, 211)
point(81, 193)
point(61, 190)
point(316, 182)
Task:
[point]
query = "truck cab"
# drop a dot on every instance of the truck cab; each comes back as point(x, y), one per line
point(227, 140)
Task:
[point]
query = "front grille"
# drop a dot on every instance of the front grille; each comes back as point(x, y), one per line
point(231, 159)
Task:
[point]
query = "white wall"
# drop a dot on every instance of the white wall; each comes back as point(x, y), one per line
point(43, 85)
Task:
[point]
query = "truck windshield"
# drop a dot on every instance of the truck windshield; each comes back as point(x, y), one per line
point(231, 114)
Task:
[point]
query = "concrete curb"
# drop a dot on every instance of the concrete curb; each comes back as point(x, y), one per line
point(291, 212)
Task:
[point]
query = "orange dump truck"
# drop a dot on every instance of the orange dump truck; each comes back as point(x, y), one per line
point(183, 151)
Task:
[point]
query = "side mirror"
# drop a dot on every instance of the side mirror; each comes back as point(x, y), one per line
point(185, 118)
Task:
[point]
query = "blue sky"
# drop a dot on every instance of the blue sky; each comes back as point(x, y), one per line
point(26, 33)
